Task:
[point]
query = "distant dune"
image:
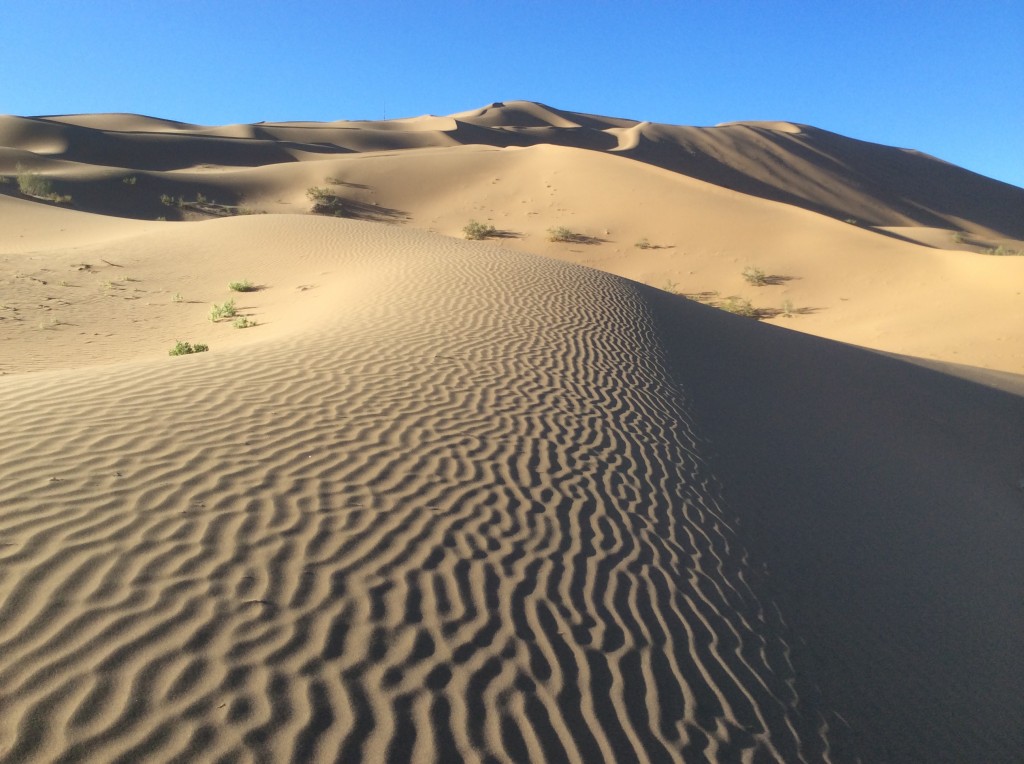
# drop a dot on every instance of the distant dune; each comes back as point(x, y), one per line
point(881, 247)
point(501, 500)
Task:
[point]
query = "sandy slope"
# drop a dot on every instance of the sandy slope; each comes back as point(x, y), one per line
point(454, 501)
point(461, 513)
point(910, 276)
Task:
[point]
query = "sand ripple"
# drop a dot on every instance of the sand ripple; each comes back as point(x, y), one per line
point(465, 518)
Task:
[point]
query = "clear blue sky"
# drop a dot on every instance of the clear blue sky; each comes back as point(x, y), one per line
point(945, 77)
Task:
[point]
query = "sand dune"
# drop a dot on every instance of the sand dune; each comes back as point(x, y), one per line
point(903, 243)
point(470, 486)
point(457, 501)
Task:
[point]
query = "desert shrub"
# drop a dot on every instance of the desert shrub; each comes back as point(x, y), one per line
point(561, 233)
point(787, 308)
point(129, 181)
point(34, 184)
point(476, 231)
point(959, 237)
point(242, 286)
point(325, 201)
point(167, 200)
point(1002, 251)
point(754, 276)
point(243, 322)
point(738, 306)
point(225, 310)
point(643, 244)
point(187, 348)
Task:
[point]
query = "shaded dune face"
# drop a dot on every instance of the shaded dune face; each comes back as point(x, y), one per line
point(466, 523)
point(884, 501)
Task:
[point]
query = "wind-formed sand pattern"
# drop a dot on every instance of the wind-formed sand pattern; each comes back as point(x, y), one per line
point(454, 501)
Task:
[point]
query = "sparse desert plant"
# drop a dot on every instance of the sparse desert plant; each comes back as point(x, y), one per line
point(787, 308)
point(561, 233)
point(671, 287)
point(738, 306)
point(643, 244)
point(187, 348)
point(242, 286)
point(959, 237)
point(754, 276)
point(177, 297)
point(129, 181)
point(325, 201)
point(1002, 251)
point(200, 199)
point(167, 200)
point(477, 231)
point(34, 184)
point(243, 322)
point(224, 310)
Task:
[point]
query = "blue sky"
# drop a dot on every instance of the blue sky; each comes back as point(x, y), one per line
point(943, 77)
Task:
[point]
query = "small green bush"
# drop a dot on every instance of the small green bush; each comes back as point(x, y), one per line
point(129, 181)
point(187, 348)
point(242, 286)
point(643, 244)
point(754, 276)
point(243, 322)
point(477, 231)
point(325, 201)
point(1002, 251)
point(561, 233)
point(225, 310)
point(34, 184)
point(738, 306)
